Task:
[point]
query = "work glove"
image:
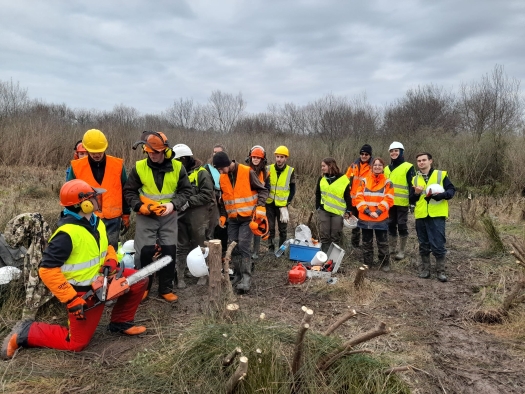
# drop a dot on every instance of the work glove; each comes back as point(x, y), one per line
point(185, 206)
point(285, 217)
point(157, 209)
point(76, 307)
point(222, 221)
point(260, 213)
point(439, 196)
point(112, 266)
point(144, 210)
point(151, 206)
point(124, 225)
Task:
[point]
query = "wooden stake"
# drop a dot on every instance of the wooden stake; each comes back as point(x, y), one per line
point(351, 313)
point(231, 356)
point(360, 276)
point(329, 359)
point(215, 266)
point(238, 375)
point(298, 351)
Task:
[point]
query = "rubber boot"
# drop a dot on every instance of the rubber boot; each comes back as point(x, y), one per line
point(180, 273)
point(271, 246)
point(425, 269)
point(246, 271)
point(440, 268)
point(236, 270)
point(392, 245)
point(402, 246)
point(256, 247)
point(384, 262)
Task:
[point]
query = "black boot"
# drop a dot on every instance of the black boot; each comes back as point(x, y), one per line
point(425, 267)
point(236, 260)
point(271, 246)
point(440, 268)
point(281, 240)
point(246, 271)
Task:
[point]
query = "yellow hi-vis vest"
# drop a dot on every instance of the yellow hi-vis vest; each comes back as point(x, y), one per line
point(194, 176)
point(433, 208)
point(149, 188)
point(399, 181)
point(82, 266)
point(279, 186)
point(332, 195)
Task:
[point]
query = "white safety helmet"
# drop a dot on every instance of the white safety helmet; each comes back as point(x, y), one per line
point(436, 188)
point(182, 150)
point(351, 222)
point(9, 273)
point(196, 263)
point(396, 145)
point(128, 247)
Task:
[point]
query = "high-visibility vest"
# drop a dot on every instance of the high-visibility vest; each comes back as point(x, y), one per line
point(279, 185)
point(399, 180)
point(194, 176)
point(357, 172)
point(332, 195)
point(239, 199)
point(433, 208)
point(87, 256)
point(112, 182)
point(149, 188)
point(375, 192)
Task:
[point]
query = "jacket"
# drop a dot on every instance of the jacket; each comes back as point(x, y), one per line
point(375, 194)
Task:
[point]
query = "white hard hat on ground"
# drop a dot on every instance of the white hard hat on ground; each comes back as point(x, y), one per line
point(128, 247)
point(396, 145)
point(182, 150)
point(196, 262)
point(351, 222)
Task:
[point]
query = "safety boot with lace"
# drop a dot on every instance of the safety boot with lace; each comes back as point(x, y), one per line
point(126, 328)
point(12, 341)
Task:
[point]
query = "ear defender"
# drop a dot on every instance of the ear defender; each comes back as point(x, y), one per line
point(87, 206)
point(168, 153)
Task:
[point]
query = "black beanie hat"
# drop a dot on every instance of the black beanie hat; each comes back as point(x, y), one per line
point(366, 148)
point(221, 160)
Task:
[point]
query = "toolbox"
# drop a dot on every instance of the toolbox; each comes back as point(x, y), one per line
point(303, 253)
point(336, 254)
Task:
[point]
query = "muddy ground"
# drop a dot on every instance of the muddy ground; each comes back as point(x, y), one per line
point(431, 326)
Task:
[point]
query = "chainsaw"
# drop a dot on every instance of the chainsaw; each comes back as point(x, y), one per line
point(106, 288)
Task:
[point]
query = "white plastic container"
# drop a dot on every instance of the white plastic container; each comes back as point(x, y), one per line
point(319, 258)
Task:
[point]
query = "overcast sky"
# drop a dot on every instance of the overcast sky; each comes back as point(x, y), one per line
point(146, 54)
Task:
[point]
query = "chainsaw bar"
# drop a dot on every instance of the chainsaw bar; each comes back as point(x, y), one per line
point(148, 270)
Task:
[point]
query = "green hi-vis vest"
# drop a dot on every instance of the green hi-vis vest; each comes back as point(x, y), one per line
point(279, 186)
point(82, 266)
point(399, 181)
point(433, 208)
point(149, 188)
point(332, 195)
point(194, 176)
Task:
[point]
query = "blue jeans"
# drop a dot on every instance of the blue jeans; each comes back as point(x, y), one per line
point(431, 236)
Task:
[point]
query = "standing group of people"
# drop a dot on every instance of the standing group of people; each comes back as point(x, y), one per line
point(380, 196)
point(180, 202)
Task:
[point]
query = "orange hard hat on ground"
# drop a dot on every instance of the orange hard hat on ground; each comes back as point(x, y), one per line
point(156, 142)
point(95, 141)
point(76, 191)
point(257, 151)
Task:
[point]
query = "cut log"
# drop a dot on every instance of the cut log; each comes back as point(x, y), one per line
point(238, 375)
point(231, 356)
point(360, 276)
point(348, 315)
point(215, 266)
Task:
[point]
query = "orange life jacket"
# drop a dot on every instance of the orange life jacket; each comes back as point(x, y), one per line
point(239, 199)
point(375, 192)
point(357, 173)
point(112, 198)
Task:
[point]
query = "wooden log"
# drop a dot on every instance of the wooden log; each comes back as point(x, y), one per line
point(215, 266)
point(332, 357)
point(360, 276)
point(298, 350)
point(230, 312)
point(238, 375)
point(348, 315)
point(231, 356)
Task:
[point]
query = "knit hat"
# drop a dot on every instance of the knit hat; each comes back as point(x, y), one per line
point(366, 149)
point(221, 160)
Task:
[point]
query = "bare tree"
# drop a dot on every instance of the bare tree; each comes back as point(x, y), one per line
point(182, 114)
point(13, 98)
point(226, 109)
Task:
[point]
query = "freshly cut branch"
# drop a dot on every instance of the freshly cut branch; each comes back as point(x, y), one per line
point(348, 315)
point(238, 375)
point(298, 351)
point(231, 356)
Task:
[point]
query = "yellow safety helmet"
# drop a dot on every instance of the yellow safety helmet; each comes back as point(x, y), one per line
point(282, 150)
point(95, 141)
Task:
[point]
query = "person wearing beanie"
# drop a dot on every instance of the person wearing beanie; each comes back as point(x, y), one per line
point(400, 173)
point(357, 172)
point(243, 195)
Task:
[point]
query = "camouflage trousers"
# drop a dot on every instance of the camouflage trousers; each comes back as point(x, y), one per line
point(32, 231)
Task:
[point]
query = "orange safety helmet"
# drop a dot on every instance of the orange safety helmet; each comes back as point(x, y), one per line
point(156, 142)
point(297, 274)
point(79, 147)
point(258, 151)
point(76, 192)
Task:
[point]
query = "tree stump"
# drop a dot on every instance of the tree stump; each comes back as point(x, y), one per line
point(215, 266)
point(360, 276)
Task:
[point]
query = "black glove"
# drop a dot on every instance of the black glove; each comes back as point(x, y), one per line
point(439, 196)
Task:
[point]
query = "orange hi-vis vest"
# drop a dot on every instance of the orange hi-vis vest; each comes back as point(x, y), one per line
point(112, 198)
point(375, 192)
point(239, 199)
point(357, 173)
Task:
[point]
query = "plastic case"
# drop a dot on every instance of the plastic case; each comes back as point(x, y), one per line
point(336, 254)
point(302, 253)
